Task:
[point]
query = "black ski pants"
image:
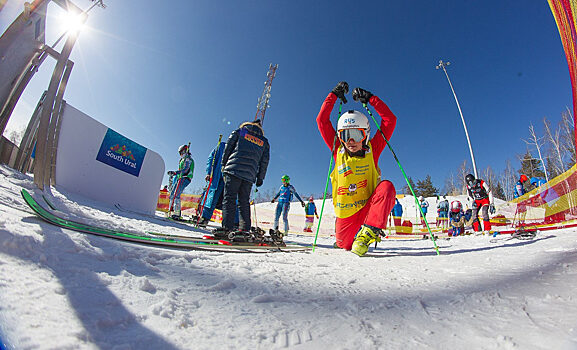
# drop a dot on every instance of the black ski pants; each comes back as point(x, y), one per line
point(235, 189)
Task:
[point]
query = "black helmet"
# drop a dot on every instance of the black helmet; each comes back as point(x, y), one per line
point(469, 179)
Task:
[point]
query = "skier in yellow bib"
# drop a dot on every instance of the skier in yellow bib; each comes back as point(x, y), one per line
point(361, 200)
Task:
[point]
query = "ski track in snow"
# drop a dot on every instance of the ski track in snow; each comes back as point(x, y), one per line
point(68, 290)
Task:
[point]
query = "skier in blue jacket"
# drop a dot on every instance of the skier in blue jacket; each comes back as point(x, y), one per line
point(310, 212)
point(519, 189)
point(537, 182)
point(214, 178)
point(285, 195)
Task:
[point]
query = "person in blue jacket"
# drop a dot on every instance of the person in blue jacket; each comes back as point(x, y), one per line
point(397, 213)
point(244, 162)
point(443, 211)
point(285, 195)
point(214, 178)
point(425, 207)
point(519, 189)
point(537, 182)
point(310, 213)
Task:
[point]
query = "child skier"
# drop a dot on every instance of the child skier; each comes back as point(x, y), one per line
point(361, 200)
point(285, 193)
point(482, 197)
point(310, 212)
point(457, 218)
point(183, 178)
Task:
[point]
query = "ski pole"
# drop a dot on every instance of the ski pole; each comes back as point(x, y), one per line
point(254, 206)
point(406, 179)
point(327, 183)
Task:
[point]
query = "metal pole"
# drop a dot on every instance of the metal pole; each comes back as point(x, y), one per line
point(443, 65)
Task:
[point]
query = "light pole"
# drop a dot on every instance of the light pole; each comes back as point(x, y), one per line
point(442, 65)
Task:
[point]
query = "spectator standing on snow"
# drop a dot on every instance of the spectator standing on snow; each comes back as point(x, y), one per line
point(443, 210)
point(361, 200)
point(482, 197)
point(397, 214)
point(284, 195)
point(183, 178)
point(214, 178)
point(310, 212)
point(244, 162)
point(425, 206)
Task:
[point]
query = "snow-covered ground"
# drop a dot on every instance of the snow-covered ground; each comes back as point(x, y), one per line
point(62, 289)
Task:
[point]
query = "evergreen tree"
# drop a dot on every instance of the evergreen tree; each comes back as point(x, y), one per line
point(426, 188)
point(406, 189)
point(531, 166)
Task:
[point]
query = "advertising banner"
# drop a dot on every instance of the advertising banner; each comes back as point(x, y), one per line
point(121, 153)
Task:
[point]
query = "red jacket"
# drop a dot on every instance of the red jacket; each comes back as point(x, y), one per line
point(388, 123)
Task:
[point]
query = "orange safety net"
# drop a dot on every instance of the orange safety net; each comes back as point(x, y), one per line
point(187, 201)
point(565, 13)
point(188, 205)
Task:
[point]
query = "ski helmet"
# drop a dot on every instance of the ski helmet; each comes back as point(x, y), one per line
point(311, 199)
point(456, 206)
point(183, 148)
point(354, 120)
point(523, 178)
point(421, 198)
point(285, 178)
point(469, 179)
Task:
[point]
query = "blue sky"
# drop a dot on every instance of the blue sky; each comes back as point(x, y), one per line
point(167, 75)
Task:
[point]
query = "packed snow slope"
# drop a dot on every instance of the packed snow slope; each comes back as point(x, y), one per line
point(61, 289)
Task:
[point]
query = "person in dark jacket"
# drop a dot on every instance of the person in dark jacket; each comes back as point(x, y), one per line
point(244, 162)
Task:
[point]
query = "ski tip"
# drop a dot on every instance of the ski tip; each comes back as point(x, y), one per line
point(223, 242)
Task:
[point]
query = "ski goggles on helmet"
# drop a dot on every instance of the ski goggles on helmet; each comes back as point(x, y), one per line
point(357, 135)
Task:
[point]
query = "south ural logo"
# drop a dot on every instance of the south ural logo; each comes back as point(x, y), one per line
point(352, 187)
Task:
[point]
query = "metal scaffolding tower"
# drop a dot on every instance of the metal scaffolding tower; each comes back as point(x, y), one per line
point(263, 100)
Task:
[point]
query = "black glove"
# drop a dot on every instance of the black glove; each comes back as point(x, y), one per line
point(272, 200)
point(303, 204)
point(362, 95)
point(492, 209)
point(258, 182)
point(170, 173)
point(341, 89)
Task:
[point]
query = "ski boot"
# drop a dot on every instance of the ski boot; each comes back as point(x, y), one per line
point(276, 237)
point(220, 233)
point(203, 222)
point(258, 233)
point(240, 236)
point(365, 237)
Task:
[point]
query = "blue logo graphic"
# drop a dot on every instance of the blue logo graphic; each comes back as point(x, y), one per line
point(121, 153)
